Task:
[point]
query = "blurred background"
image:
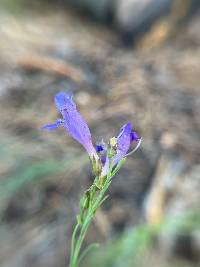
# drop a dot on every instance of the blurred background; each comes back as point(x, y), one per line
point(124, 60)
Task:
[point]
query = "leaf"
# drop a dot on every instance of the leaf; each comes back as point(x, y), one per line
point(87, 250)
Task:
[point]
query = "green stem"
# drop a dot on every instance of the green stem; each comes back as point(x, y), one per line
point(97, 198)
point(73, 241)
point(79, 242)
point(85, 252)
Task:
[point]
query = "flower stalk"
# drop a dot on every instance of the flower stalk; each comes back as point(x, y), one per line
point(106, 161)
point(92, 200)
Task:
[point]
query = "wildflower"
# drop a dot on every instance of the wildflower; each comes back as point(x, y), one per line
point(123, 142)
point(106, 161)
point(105, 156)
point(73, 122)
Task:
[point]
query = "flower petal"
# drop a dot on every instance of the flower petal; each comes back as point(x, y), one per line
point(135, 136)
point(63, 100)
point(106, 167)
point(54, 126)
point(124, 140)
point(73, 122)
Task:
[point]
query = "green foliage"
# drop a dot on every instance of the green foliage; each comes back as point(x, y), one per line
point(25, 174)
point(16, 7)
point(24, 169)
point(10, 5)
point(124, 251)
point(129, 249)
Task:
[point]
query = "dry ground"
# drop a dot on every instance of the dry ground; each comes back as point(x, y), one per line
point(43, 174)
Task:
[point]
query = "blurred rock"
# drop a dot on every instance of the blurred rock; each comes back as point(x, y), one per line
point(175, 192)
point(167, 176)
point(134, 18)
point(161, 18)
point(101, 10)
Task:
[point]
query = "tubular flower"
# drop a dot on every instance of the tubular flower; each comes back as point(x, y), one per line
point(73, 122)
point(106, 159)
point(123, 142)
point(105, 156)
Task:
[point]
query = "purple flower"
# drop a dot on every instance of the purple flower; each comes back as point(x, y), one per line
point(106, 166)
point(124, 141)
point(73, 122)
point(105, 156)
